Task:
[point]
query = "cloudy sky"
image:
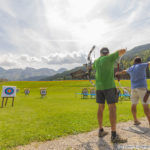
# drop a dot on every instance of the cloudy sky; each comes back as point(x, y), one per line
point(60, 33)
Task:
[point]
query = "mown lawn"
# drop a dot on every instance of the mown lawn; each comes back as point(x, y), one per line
point(60, 113)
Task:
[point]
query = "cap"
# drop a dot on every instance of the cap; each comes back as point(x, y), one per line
point(104, 50)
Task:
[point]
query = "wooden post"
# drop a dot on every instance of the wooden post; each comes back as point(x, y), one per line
point(6, 101)
point(2, 102)
point(12, 101)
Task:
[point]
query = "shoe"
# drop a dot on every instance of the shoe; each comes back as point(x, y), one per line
point(118, 139)
point(137, 123)
point(102, 133)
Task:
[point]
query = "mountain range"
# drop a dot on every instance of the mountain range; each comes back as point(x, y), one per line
point(28, 74)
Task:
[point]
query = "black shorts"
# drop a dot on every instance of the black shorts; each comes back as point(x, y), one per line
point(111, 95)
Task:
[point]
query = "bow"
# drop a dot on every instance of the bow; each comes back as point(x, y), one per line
point(118, 68)
point(89, 65)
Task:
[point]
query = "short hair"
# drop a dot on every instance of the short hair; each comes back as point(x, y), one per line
point(104, 51)
point(137, 60)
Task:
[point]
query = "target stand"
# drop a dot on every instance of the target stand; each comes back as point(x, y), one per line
point(8, 92)
point(27, 91)
point(93, 93)
point(17, 90)
point(43, 92)
point(6, 99)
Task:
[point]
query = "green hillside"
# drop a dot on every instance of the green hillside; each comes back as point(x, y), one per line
point(141, 51)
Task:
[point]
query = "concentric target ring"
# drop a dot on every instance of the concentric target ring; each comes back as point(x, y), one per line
point(9, 91)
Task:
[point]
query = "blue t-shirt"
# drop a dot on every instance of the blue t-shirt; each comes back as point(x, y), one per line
point(137, 74)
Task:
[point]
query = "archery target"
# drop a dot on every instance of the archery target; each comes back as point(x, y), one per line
point(9, 91)
point(43, 92)
point(27, 91)
point(17, 90)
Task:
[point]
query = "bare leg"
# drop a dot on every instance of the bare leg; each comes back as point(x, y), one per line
point(115, 138)
point(133, 109)
point(147, 111)
point(112, 116)
point(100, 115)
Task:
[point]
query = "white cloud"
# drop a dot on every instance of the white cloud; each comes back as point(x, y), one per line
point(5, 6)
point(56, 59)
point(52, 32)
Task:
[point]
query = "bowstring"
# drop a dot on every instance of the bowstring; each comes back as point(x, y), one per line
point(120, 85)
point(90, 63)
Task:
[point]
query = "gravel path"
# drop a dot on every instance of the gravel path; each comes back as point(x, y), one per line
point(138, 138)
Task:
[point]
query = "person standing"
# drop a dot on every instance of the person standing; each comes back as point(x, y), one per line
point(106, 90)
point(137, 74)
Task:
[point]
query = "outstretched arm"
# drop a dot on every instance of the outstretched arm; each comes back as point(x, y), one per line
point(121, 52)
point(114, 56)
point(120, 73)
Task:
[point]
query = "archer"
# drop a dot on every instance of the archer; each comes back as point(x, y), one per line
point(106, 90)
point(137, 74)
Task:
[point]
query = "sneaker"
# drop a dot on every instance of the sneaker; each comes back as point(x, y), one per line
point(102, 133)
point(137, 123)
point(118, 139)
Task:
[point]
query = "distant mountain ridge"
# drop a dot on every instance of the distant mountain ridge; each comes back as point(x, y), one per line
point(127, 60)
point(142, 51)
point(136, 50)
point(64, 75)
point(28, 74)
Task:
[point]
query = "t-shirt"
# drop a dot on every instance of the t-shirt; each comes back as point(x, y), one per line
point(137, 74)
point(104, 67)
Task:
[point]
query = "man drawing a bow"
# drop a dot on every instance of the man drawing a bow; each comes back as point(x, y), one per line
point(137, 74)
point(106, 90)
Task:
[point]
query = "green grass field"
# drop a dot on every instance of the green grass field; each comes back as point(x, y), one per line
point(60, 113)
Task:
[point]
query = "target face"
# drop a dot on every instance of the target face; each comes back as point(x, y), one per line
point(43, 92)
point(9, 91)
